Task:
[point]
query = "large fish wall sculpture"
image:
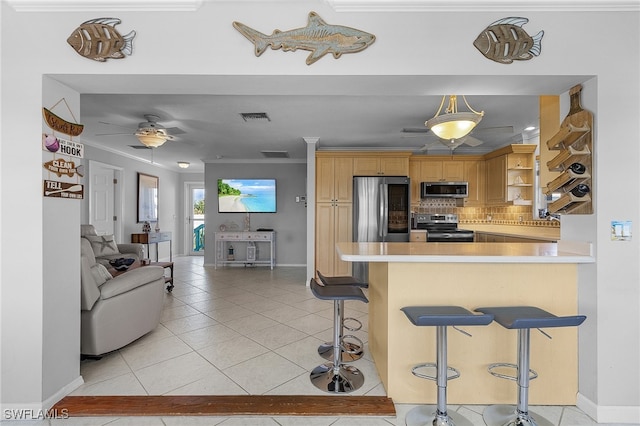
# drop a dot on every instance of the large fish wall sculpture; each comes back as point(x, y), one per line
point(98, 39)
point(505, 41)
point(318, 37)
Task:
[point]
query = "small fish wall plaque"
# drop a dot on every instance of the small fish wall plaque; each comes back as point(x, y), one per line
point(98, 39)
point(318, 37)
point(506, 41)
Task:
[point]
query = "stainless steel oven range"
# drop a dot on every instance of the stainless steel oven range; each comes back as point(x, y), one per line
point(443, 228)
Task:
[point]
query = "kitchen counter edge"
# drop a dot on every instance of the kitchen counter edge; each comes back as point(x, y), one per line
point(420, 252)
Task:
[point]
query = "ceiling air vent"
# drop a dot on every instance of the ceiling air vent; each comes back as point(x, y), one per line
point(275, 154)
point(139, 147)
point(255, 116)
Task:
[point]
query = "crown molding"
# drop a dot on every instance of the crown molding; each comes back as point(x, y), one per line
point(105, 5)
point(484, 6)
point(337, 5)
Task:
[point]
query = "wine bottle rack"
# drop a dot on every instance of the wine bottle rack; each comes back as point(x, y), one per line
point(574, 141)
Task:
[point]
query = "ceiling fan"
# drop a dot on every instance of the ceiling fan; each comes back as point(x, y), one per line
point(150, 133)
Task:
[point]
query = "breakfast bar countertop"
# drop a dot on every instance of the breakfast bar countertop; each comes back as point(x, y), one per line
point(420, 252)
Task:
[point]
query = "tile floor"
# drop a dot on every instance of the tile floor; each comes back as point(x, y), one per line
point(239, 330)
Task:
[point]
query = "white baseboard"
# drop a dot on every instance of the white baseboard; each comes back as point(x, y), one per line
point(609, 414)
point(289, 265)
point(53, 399)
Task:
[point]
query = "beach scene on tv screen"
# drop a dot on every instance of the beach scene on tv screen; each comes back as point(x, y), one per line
point(246, 195)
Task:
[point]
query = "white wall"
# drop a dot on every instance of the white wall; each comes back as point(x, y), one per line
point(600, 44)
point(61, 278)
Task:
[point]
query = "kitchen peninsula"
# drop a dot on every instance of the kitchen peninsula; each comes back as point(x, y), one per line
point(471, 275)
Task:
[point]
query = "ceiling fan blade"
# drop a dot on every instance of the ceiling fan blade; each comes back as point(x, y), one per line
point(175, 130)
point(415, 130)
point(471, 141)
point(112, 134)
point(117, 125)
point(496, 129)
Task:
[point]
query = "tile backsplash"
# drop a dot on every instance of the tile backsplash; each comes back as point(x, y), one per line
point(501, 215)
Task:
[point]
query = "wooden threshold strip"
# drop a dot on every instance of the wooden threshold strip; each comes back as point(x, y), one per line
point(226, 405)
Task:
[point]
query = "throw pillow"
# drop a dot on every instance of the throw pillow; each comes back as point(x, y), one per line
point(103, 245)
point(100, 274)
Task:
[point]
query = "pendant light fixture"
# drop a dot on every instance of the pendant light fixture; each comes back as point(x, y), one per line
point(453, 124)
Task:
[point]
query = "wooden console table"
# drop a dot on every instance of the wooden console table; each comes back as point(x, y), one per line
point(223, 238)
point(148, 238)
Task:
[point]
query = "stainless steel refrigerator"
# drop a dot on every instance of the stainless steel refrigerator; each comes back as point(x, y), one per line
point(381, 212)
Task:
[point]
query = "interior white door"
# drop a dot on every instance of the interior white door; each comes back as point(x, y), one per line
point(195, 202)
point(102, 198)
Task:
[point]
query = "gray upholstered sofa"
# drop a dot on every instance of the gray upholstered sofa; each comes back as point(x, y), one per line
point(106, 249)
point(117, 311)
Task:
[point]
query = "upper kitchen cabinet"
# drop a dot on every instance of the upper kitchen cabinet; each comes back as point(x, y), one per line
point(510, 175)
point(446, 170)
point(334, 178)
point(381, 164)
point(474, 174)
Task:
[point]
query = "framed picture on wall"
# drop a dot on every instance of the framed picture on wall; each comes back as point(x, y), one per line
point(148, 188)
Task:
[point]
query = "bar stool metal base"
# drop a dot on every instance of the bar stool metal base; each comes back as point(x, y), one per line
point(507, 415)
point(350, 352)
point(425, 415)
point(344, 379)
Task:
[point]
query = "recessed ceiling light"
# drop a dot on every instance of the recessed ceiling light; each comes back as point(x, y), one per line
point(530, 128)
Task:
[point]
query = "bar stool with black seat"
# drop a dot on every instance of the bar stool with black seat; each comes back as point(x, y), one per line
point(523, 319)
point(351, 346)
point(440, 317)
point(335, 376)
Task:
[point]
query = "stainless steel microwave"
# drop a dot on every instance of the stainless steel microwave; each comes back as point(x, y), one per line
point(444, 189)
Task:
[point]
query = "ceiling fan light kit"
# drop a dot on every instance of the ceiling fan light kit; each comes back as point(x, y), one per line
point(152, 138)
point(453, 124)
point(183, 164)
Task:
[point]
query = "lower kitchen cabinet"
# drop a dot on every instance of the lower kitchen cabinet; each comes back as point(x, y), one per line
point(483, 237)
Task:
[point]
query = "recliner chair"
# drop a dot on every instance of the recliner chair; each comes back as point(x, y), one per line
point(116, 311)
point(105, 248)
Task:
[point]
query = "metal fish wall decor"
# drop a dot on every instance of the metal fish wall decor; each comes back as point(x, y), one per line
point(505, 41)
point(98, 39)
point(317, 37)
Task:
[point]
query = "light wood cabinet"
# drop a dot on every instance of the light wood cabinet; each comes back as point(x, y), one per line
point(383, 166)
point(334, 179)
point(510, 175)
point(334, 194)
point(474, 174)
point(333, 225)
point(486, 237)
point(418, 236)
point(496, 180)
point(442, 170)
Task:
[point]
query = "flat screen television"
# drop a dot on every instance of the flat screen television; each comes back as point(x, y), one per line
point(246, 195)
